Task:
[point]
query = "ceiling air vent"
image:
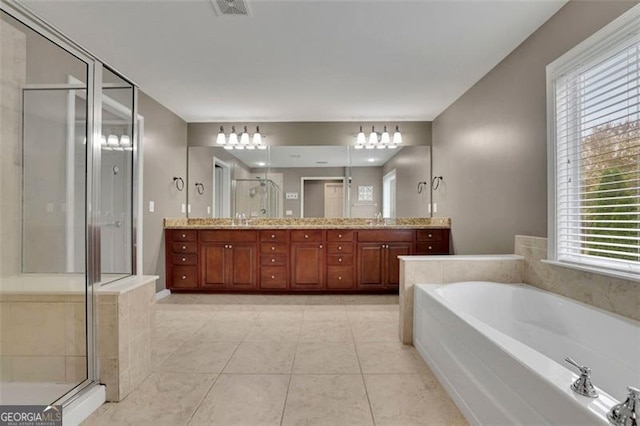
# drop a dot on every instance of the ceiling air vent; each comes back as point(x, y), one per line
point(230, 7)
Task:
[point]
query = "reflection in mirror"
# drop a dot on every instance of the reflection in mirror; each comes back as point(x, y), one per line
point(310, 181)
point(223, 183)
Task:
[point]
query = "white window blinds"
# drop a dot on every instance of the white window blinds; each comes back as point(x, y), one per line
point(597, 159)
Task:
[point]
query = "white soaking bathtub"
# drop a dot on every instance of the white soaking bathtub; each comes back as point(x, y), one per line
point(499, 351)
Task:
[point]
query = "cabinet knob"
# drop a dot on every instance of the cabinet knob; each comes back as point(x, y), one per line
point(430, 235)
point(306, 236)
point(320, 246)
point(273, 235)
point(339, 278)
point(273, 248)
point(340, 259)
point(430, 248)
point(339, 235)
point(184, 235)
point(184, 259)
point(184, 277)
point(382, 246)
point(226, 246)
point(339, 247)
point(184, 247)
point(273, 277)
point(273, 260)
point(230, 246)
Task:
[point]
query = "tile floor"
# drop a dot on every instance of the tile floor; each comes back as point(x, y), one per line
point(282, 360)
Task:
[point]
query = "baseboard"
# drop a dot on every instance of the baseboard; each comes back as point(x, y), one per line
point(162, 294)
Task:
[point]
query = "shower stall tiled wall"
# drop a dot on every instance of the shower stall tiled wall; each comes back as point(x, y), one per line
point(68, 155)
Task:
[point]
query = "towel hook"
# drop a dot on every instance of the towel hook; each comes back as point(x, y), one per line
point(200, 188)
point(435, 182)
point(421, 185)
point(179, 183)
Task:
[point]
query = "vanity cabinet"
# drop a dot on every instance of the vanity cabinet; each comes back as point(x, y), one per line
point(293, 260)
point(307, 259)
point(378, 264)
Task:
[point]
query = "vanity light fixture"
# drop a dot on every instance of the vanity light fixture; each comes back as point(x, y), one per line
point(245, 141)
point(378, 140)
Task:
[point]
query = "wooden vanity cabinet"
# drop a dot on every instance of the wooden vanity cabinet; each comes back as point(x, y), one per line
point(229, 260)
point(307, 250)
point(290, 260)
point(378, 266)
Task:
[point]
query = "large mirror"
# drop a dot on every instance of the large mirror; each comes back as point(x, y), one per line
point(309, 181)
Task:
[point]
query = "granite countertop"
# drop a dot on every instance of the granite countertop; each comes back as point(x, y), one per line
point(309, 223)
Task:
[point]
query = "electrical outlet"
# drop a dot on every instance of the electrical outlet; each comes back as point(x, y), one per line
point(184, 208)
point(435, 207)
point(208, 209)
point(291, 195)
point(288, 213)
point(152, 207)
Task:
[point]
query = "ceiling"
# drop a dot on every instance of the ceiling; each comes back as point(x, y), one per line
point(314, 156)
point(305, 60)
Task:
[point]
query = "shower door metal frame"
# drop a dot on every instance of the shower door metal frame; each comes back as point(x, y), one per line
point(94, 120)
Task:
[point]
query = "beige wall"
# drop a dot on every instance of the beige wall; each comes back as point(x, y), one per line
point(311, 133)
point(490, 144)
point(165, 156)
point(412, 165)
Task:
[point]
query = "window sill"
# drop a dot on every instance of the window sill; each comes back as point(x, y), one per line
point(630, 276)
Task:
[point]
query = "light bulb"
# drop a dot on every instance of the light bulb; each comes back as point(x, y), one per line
point(361, 139)
point(233, 138)
point(112, 141)
point(358, 146)
point(103, 143)
point(125, 140)
point(397, 137)
point(384, 139)
point(257, 137)
point(262, 146)
point(244, 138)
point(221, 138)
point(373, 137)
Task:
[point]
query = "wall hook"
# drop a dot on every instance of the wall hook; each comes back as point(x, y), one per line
point(435, 182)
point(200, 188)
point(179, 183)
point(421, 185)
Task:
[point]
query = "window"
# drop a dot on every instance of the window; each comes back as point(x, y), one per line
point(594, 151)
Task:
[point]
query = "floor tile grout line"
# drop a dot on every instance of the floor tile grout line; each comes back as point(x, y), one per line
point(293, 363)
point(364, 383)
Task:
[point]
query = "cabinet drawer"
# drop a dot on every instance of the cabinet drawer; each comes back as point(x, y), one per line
point(339, 277)
point(273, 277)
point(305, 236)
point(273, 248)
point(435, 247)
point(228, 235)
point(386, 235)
point(340, 259)
point(339, 235)
point(273, 259)
point(185, 247)
point(184, 235)
point(339, 248)
point(279, 235)
point(184, 259)
point(184, 277)
point(431, 234)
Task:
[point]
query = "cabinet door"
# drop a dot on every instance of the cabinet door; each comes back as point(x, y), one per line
point(371, 265)
point(241, 263)
point(393, 263)
point(214, 266)
point(307, 266)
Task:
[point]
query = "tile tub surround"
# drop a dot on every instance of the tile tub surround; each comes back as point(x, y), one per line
point(450, 269)
point(309, 223)
point(615, 295)
point(321, 365)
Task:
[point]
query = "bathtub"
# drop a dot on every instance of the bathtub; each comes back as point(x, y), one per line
point(499, 351)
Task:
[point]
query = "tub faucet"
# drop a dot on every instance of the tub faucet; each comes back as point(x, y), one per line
point(627, 413)
point(583, 385)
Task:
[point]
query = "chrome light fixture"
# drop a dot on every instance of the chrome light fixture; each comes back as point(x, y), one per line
point(113, 143)
point(378, 140)
point(244, 142)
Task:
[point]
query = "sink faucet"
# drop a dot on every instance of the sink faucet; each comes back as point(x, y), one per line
point(583, 385)
point(627, 413)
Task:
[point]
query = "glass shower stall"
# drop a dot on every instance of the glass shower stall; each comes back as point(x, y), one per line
point(68, 155)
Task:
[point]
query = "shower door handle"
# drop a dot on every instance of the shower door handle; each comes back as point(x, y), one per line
point(116, 224)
